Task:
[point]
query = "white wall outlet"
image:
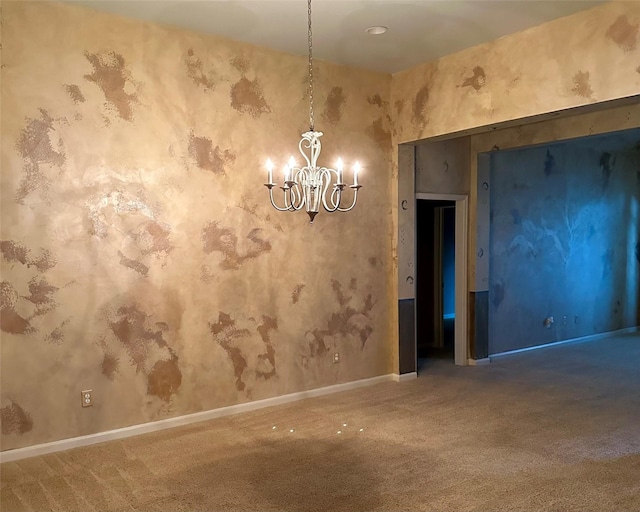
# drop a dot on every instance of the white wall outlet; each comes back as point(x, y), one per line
point(336, 357)
point(564, 320)
point(87, 398)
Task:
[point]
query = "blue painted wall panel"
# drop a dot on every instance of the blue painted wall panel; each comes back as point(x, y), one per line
point(564, 241)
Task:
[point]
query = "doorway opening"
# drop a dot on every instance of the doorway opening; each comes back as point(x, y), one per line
point(441, 331)
point(435, 283)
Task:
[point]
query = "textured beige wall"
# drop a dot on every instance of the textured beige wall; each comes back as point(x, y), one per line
point(140, 255)
point(576, 61)
point(442, 167)
point(589, 57)
point(406, 227)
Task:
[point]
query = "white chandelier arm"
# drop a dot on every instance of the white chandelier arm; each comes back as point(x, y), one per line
point(355, 198)
point(325, 174)
point(337, 190)
point(297, 198)
point(288, 199)
point(293, 197)
point(289, 192)
point(273, 203)
point(302, 146)
point(336, 197)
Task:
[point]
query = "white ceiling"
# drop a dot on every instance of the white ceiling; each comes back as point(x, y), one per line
point(419, 30)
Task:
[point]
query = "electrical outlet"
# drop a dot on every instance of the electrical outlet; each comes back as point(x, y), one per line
point(87, 398)
point(576, 319)
point(564, 320)
point(336, 357)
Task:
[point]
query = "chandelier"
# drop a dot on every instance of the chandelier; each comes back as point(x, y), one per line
point(311, 186)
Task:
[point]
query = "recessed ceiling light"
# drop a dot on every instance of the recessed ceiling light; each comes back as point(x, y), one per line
point(377, 30)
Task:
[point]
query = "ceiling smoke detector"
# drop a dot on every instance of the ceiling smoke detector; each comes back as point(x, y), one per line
point(377, 30)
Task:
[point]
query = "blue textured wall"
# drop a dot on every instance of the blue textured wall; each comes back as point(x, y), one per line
point(564, 241)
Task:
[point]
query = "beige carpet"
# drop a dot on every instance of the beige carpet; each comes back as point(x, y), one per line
point(556, 429)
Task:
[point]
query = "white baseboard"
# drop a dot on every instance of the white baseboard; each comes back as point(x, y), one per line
point(144, 428)
point(402, 377)
point(479, 362)
point(583, 339)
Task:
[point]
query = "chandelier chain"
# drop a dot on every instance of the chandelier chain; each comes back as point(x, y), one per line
point(311, 120)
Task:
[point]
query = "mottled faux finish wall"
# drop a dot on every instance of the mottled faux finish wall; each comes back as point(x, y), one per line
point(140, 255)
point(443, 167)
point(589, 57)
point(579, 60)
point(565, 241)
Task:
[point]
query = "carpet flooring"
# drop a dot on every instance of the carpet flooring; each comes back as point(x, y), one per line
point(550, 430)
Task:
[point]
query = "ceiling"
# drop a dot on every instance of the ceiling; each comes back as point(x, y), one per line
point(419, 30)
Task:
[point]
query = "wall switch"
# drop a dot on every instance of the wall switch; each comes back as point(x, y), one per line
point(336, 357)
point(87, 398)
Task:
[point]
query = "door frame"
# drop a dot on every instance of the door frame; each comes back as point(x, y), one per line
point(461, 334)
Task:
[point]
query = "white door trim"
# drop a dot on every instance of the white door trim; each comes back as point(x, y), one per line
point(461, 256)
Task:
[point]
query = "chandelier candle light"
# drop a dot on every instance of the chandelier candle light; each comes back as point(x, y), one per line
point(309, 185)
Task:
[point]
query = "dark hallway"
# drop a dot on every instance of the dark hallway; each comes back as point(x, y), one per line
point(435, 286)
